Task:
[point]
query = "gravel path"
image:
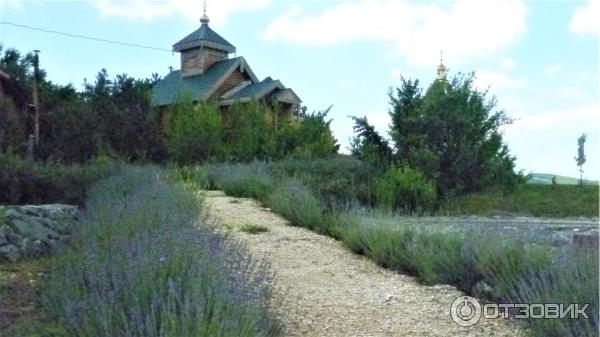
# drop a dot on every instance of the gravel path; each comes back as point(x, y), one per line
point(324, 290)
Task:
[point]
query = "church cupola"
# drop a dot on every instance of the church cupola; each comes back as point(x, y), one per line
point(201, 49)
point(442, 71)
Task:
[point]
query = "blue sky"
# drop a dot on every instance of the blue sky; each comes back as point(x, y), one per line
point(539, 58)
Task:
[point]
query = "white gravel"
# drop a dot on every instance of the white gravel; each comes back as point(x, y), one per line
point(324, 290)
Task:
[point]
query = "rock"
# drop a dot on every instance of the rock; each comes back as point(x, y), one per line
point(37, 211)
point(61, 226)
point(46, 222)
point(5, 230)
point(61, 211)
point(25, 247)
point(38, 247)
point(12, 213)
point(32, 230)
point(53, 245)
point(10, 252)
point(561, 238)
point(587, 239)
point(13, 238)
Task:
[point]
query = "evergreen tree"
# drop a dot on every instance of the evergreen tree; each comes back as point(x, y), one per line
point(368, 145)
point(452, 134)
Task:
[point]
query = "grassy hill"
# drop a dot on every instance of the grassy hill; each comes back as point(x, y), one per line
point(546, 179)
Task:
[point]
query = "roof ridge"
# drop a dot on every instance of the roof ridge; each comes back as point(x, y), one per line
point(204, 36)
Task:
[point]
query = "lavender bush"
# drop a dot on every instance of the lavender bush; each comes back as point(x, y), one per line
point(503, 265)
point(242, 180)
point(147, 263)
point(571, 278)
point(494, 261)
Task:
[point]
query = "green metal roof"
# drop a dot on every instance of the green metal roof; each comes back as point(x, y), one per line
point(256, 90)
point(167, 90)
point(204, 36)
point(202, 86)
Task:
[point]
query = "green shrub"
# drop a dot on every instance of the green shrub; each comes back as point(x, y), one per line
point(242, 180)
point(196, 175)
point(26, 182)
point(310, 137)
point(338, 180)
point(254, 229)
point(297, 204)
point(529, 200)
point(195, 131)
point(405, 188)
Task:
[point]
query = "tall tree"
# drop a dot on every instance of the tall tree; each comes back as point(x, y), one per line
point(368, 145)
point(452, 134)
point(580, 159)
point(405, 114)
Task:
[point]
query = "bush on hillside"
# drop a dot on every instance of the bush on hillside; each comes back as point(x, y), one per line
point(340, 181)
point(297, 204)
point(26, 182)
point(529, 200)
point(405, 188)
point(242, 180)
point(195, 131)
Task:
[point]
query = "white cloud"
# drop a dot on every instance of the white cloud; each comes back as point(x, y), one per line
point(464, 30)
point(148, 10)
point(572, 93)
point(11, 4)
point(496, 80)
point(508, 63)
point(381, 121)
point(586, 18)
point(582, 116)
point(552, 69)
point(395, 73)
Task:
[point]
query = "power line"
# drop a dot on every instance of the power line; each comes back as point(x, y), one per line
point(83, 36)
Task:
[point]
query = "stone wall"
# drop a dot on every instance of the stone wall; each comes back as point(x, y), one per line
point(27, 231)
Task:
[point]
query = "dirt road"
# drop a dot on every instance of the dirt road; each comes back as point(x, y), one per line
point(327, 291)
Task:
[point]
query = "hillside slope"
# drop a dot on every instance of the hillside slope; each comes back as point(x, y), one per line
point(546, 179)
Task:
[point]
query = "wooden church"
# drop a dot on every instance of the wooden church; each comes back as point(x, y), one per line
point(208, 73)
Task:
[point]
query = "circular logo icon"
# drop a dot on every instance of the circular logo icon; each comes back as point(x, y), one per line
point(465, 311)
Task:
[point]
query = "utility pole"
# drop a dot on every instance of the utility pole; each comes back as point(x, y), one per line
point(36, 103)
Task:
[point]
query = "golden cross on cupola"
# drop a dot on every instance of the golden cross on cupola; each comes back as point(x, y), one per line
point(204, 18)
point(442, 71)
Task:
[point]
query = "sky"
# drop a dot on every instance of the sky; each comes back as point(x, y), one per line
point(540, 59)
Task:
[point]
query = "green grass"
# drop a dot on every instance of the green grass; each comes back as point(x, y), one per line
point(254, 229)
point(546, 179)
point(530, 200)
point(19, 285)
